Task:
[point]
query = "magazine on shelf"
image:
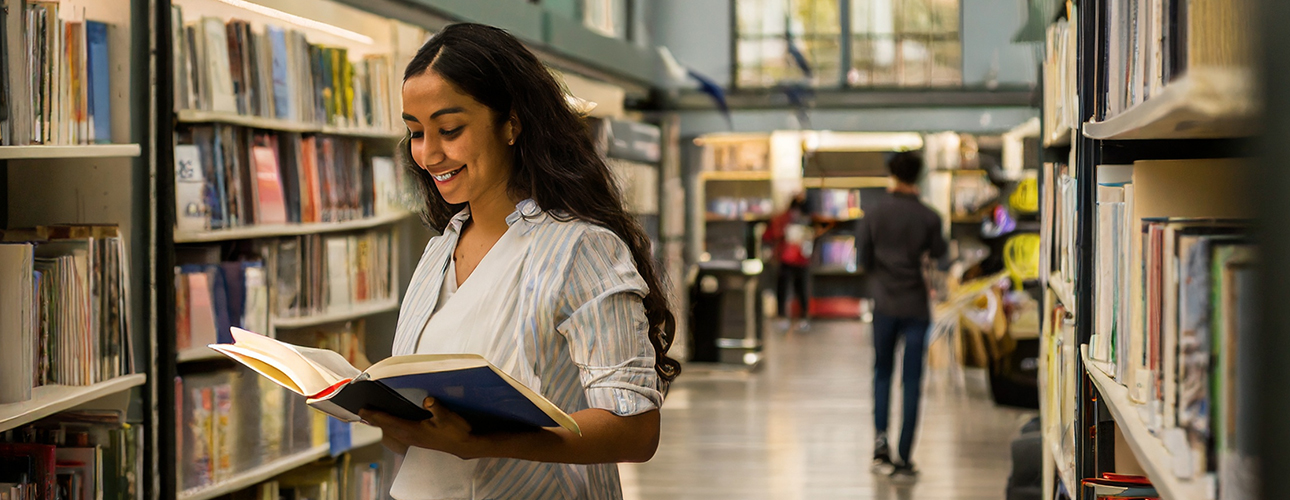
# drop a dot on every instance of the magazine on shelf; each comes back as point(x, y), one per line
point(467, 384)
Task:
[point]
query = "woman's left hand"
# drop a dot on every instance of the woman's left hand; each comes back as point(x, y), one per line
point(446, 431)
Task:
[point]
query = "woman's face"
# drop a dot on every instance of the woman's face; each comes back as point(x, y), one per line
point(457, 140)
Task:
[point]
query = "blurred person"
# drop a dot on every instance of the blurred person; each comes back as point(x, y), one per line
point(793, 239)
point(900, 232)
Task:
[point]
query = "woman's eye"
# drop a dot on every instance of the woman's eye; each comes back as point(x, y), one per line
point(416, 134)
point(450, 133)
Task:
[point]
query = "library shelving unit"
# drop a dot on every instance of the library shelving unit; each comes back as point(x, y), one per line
point(1123, 411)
point(365, 37)
point(74, 179)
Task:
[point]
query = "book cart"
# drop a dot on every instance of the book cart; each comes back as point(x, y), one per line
point(1148, 112)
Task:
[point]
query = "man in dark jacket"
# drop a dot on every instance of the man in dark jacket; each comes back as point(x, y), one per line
point(900, 233)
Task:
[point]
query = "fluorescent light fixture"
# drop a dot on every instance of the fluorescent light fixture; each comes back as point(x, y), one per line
point(302, 22)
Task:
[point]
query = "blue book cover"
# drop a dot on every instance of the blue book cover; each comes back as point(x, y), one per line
point(467, 384)
point(339, 436)
point(99, 69)
point(281, 92)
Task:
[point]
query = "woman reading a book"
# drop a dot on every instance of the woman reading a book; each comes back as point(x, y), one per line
point(539, 269)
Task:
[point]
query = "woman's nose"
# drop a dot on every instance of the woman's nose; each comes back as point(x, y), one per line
point(431, 155)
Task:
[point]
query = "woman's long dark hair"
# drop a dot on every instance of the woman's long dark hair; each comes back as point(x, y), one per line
point(555, 162)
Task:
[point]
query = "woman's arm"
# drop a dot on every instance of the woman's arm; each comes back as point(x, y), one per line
point(606, 438)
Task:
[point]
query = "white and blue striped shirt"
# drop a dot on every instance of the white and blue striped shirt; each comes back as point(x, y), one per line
point(572, 324)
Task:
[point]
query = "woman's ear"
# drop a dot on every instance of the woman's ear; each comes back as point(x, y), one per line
point(514, 125)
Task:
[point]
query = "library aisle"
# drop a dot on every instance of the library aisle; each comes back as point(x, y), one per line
point(801, 427)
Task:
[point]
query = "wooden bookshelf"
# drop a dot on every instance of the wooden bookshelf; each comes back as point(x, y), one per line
point(276, 230)
point(355, 312)
point(69, 152)
point(1147, 448)
point(1203, 104)
point(198, 116)
point(363, 436)
point(845, 182)
point(50, 399)
point(751, 175)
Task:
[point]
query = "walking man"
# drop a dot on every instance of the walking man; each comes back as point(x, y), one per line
point(900, 233)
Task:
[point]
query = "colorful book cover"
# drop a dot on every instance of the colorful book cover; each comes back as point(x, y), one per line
point(271, 206)
point(282, 105)
point(100, 94)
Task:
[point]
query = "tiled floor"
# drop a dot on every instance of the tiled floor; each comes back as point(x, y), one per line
point(801, 427)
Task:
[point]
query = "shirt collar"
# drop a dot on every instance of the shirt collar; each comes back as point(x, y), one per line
point(524, 210)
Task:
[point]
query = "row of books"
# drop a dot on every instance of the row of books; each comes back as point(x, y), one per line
point(838, 252)
point(728, 207)
point(839, 204)
point(57, 74)
point(234, 420)
point(287, 277)
point(1153, 42)
point(229, 176)
point(346, 479)
point(64, 308)
point(1060, 220)
point(218, 438)
point(638, 183)
point(1061, 100)
point(276, 73)
point(1174, 292)
point(738, 156)
point(315, 274)
point(84, 455)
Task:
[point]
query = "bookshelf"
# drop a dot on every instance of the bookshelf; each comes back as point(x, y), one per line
point(340, 261)
point(1147, 447)
point(50, 399)
point(259, 122)
point(355, 312)
point(71, 157)
point(363, 436)
point(276, 230)
point(1203, 104)
point(69, 152)
point(1149, 236)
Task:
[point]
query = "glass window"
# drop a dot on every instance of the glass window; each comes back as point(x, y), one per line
point(761, 48)
point(893, 43)
point(905, 43)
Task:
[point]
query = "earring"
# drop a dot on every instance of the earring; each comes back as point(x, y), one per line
point(511, 142)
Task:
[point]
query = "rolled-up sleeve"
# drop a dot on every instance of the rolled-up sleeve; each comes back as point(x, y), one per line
point(605, 326)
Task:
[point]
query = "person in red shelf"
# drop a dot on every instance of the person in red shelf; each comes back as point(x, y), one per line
point(793, 238)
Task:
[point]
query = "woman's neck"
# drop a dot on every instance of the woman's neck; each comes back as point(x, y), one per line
point(489, 212)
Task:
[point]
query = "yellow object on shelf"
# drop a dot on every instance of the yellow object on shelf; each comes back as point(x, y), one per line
point(1026, 197)
point(1021, 258)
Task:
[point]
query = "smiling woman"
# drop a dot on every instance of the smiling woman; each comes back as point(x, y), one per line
point(539, 269)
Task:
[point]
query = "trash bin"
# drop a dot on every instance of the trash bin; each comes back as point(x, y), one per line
point(726, 312)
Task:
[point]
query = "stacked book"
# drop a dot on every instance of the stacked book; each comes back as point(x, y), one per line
point(218, 438)
point(57, 72)
point(315, 274)
point(347, 478)
point(228, 176)
point(1151, 43)
point(1061, 102)
point(1060, 220)
point(81, 455)
point(65, 308)
point(838, 253)
point(1175, 289)
point(837, 204)
point(276, 73)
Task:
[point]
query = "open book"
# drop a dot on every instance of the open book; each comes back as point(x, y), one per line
point(467, 384)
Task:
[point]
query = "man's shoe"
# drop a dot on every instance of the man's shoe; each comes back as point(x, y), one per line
point(881, 456)
point(903, 474)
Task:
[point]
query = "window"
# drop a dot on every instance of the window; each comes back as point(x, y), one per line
point(762, 54)
point(905, 43)
point(893, 43)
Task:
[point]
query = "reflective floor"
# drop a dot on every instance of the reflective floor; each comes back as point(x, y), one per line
point(801, 427)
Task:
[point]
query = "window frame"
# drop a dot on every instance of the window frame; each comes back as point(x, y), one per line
point(846, 44)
